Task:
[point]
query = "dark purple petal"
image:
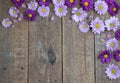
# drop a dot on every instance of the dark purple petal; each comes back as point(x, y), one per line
point(87, 4)
point(117, 34)
point(18, 3)
point(30, 15)
point(117, 55)
point(71, 4)
point(44, 2)
point(113, 8)
point(102, 56)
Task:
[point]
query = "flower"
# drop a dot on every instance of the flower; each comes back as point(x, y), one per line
point(112, 71)
point(97, 25)
point(87, 4)
point(109, 1)
point(112, 23)
point(56, 2)
point(84, 27)
point(18, 3)
point(32, 5)
point(113, 8)
point(6, 22)
point(43, 11)
point(101, 7)
point(60, 10)
point(71, 3)
point(117, 55)
point(44, 2)
point(30, 15)
point(112, 44)
point(117, 34)
point(13, 11)
point(78, 14)
point(105, 56)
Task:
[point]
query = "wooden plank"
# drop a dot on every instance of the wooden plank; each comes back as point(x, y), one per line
point(13, 49)
point(78, 53)
point(44, 48)
point(99, 46)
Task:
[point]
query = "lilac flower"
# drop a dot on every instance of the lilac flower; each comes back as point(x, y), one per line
point(105, 56)
point(44, 2)
point(87, 4)
point(60, 10)
point(32, 5)
point(101, 7)
point(78, 14)
point(117, 55)
point(13, 11)
point(18, 3)
point(117, 34)
point(56, 2)
point(112, 71)
point(97, 25)
point(112, 23)
point(112, 44)
point(30, 15)
point(6, 22)
point(113, 8)
point(71, 3)
point(43, 11)
point(84, 27)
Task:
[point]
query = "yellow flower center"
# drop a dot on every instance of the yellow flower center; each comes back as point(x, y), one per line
point(33, 5)
point(78, 13)
point(14, 11)
point(60, 9)
point(30, 15)
point(6, 22)
point(112, 24)
point(17, 0)
point(119, 55)
point(114, 9)
point(43, 0)
point(43, 10)
point(86, 3)
point(105, 56)
point(71, 1)
point(113, 71)
point(97, 26)
point(84, 26)
point(100, 7)
point(112, 44)
point(58, 1)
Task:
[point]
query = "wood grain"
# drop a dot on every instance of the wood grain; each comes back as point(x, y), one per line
point(45, 52)
point(13, 49)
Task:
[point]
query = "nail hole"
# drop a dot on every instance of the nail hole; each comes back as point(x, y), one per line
point(4, 68)
point(21, 68)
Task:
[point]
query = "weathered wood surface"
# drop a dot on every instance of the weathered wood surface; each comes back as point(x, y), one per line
point(48, 51)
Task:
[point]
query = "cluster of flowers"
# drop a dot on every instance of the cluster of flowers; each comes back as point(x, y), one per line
point(60, 7)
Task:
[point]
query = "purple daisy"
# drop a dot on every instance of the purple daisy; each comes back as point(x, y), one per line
point(71, 3)
point(78, 14)
point(112, 71)
point(97, 25)
point(44, 2)
point(18, 3)
point(117, 34)
point(109, 1)
point(13, 11)
point(60, 10)
point(112, 23)
point(32, 5)
point(6, 22)
point(30, 15)
point(56, 2)
point(105, 56)
point(117, 55)
point(101, 7)
point(87, 4)
point(112, 44)
point(44, 11)
point(113, 8)
point(84, 27)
